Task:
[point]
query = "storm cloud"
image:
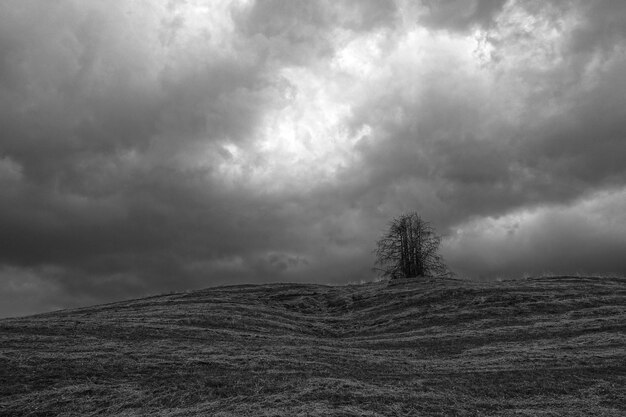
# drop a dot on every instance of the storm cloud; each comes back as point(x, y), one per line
point(148, 147)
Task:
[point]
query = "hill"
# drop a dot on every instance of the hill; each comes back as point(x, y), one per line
point(533, 347)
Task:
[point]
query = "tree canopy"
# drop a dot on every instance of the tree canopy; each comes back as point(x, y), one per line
point(409, 248)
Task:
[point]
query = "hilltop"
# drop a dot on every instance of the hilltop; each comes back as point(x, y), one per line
point(544, 346)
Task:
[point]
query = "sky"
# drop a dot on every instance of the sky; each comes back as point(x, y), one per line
point(156, 146)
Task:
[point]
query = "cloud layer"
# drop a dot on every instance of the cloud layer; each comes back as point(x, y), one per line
point(154, 147)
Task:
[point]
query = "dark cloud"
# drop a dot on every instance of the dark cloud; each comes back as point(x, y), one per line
point(301, 31)
point(149, 148)
point(586, 237)
point(460, 15)
point(602, 27)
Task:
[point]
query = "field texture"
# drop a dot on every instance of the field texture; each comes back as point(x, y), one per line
point(535, 347)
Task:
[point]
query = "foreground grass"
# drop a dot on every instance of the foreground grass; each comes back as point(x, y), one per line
point(536, 347)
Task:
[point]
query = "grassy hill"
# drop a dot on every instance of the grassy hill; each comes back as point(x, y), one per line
point(535, 347)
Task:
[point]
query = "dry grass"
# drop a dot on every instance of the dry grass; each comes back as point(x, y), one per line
point(535, 347)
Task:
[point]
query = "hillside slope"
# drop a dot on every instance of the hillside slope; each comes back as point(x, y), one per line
point(549, 346)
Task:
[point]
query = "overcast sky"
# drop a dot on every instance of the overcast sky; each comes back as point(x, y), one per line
point(152, 146)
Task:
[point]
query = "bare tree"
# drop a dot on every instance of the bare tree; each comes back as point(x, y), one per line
point(410, 248)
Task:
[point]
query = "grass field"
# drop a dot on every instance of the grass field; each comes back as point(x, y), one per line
point(534, 347)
